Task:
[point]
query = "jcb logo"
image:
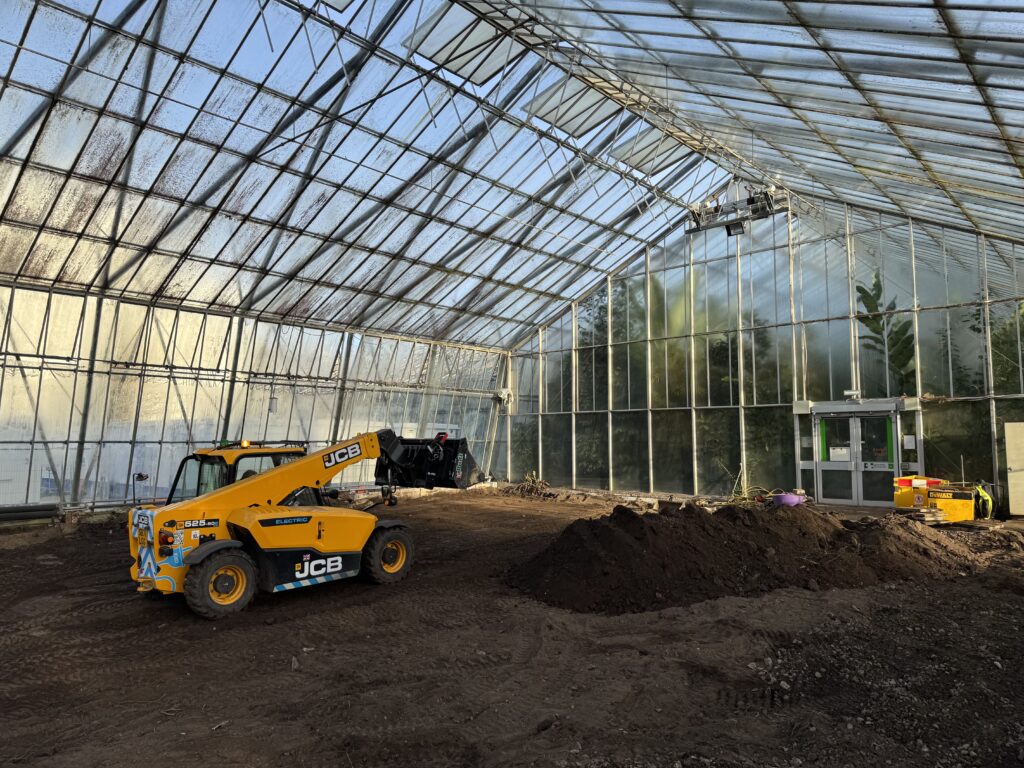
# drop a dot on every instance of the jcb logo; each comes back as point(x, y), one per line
point(319, 567)
point(342, 455)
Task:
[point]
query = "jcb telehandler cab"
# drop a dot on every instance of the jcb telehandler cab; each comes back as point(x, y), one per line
point(208, 469)
point(271, 530)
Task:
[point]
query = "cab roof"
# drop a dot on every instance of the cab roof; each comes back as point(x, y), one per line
point(234, 452)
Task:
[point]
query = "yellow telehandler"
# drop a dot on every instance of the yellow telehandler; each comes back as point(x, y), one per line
point(230, 528)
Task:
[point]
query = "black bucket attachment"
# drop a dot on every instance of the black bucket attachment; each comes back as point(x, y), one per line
point(440, 462)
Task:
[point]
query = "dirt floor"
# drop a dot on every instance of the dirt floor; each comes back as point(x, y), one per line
point(455, 668)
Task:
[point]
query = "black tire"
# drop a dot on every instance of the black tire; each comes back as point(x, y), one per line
point(387, 556)
point(222, 584)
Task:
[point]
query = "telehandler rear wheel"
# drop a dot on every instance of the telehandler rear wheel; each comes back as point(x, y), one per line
point(387, 556)
point(222, 584)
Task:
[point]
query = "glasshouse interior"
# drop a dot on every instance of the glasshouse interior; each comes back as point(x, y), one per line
point(669, 353)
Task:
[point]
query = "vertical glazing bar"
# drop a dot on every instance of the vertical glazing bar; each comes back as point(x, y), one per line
point(133, 444)
point(197, 368)
point(76, 350)
point(793, 346)
point(494, 420)
point(990, 390)
point(915, 305)
point(171, 385)
point(541, 386)
point(949, 331)
point(229, 399)
point(887, 319)
point(854, 331)
point(1016, 319)
point(270, 382)
point(740, 367)
point(692, 275)
point(514, 389)
point(106, 397)
point(34, 403)
point(573, 401)
point(5, 335)
point(345, 354)
point(76, 477)
point(611, 383)
point(648, 367)
point(429, 389)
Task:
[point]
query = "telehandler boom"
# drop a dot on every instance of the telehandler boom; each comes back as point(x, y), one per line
point(273, 531)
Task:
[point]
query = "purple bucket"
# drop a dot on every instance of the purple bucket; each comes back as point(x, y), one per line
point(787, 499)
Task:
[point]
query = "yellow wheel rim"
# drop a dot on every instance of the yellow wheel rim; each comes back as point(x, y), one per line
point(400, 554)
point(227, 584)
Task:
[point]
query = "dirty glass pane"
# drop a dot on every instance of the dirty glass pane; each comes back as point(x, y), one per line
point(629, 376)
point(952, 352)
point(557, 382)
point(556, 449)
point(672, 444)
point(718, 450)
point(770, 454)
point(716, 366)
point(768, 361)
point(670, 303)
point(592, 392)
point(670, 373)
point(592, 319)
point(958, 440)
point(1006, 348)
point(592, 450)
point(524, 446)
point(525, 373)
point(629, 309)
point(629, 452)
point(827, 359)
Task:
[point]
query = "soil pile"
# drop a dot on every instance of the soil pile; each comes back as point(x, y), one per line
point(628, 562)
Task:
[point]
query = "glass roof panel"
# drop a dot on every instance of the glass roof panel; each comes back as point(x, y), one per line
point(772, 81)
point(461, 170)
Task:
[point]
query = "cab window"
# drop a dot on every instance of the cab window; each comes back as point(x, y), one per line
point(301, 497)
point(197, 476)
point(247, 466)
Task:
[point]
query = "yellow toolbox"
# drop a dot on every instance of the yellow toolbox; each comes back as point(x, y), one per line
point(935, 500)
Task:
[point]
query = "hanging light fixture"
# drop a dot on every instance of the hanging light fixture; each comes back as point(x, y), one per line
point(734, 215)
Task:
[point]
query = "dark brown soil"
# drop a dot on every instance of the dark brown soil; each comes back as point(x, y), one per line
point(454, 668)
point(628, 562)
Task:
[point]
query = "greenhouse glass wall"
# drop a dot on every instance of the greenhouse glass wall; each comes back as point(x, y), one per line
point(95, 391)
point(712, 364)
point(300, 219)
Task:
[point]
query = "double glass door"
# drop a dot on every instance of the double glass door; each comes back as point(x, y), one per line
point(857, 458)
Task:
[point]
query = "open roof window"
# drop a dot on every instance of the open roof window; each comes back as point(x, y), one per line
point(650, 152)
point(462, 43)
point(572, 105)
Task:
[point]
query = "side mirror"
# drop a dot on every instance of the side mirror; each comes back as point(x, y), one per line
point(138, 477)
point(332, 493)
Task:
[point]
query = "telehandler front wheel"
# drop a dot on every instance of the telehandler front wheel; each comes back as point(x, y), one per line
point(387, 556)
point(222, 584)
